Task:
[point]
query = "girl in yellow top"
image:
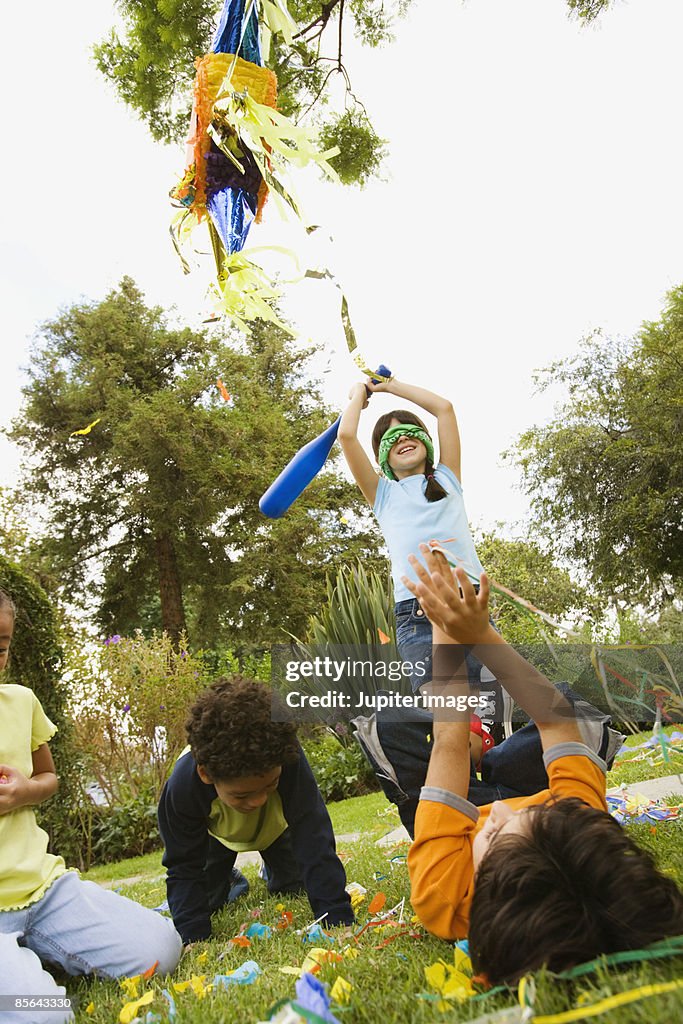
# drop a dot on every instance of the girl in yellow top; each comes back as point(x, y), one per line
point(46, 912)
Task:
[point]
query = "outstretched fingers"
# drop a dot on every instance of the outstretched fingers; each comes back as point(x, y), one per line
point(423, 589)
point(449, 598)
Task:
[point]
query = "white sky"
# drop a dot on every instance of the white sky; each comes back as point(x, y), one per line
point(531, 195)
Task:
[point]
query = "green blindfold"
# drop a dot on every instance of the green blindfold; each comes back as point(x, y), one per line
point(390, 438)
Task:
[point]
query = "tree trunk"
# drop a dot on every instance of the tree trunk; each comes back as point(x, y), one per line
point(170, 590)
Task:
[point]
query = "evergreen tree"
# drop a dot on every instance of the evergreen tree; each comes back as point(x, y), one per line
point(606, 474)
point(152, 515)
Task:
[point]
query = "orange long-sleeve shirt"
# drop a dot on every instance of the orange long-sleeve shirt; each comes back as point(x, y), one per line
point(440, 859)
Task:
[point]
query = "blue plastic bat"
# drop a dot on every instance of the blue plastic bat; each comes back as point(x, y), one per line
point(302, 469)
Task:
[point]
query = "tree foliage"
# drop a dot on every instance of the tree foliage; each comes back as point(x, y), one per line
point(605, 476)
point(152, 516)
point(151, 65)
point(525, 568)
point(36, 661)
point(588, 10)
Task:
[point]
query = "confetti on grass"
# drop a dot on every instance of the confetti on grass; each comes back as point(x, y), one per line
point(312, 1004)
point(357, 893)
point(376, 903)
point(453, 982)
point(130, 1010)
point(628, 808)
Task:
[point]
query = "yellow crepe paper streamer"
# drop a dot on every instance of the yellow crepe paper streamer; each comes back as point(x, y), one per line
point(278, 19)
point(131, 986)
point(86, 430)
point(450, 981)
point(130, 1010)
point(341, 990)
point(349, 333)
point(271, 132)
point(197, 983)
point(610, 1003)
point(242, 292)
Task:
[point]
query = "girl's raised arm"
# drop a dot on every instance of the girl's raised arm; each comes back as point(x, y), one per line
point(441, 408)
point(364, 472)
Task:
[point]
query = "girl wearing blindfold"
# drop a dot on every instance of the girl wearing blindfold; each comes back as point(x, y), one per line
point(416, 499)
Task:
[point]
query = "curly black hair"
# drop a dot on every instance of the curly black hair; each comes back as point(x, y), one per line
point(232, 734)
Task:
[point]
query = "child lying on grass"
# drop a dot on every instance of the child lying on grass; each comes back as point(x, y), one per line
point(550, 879)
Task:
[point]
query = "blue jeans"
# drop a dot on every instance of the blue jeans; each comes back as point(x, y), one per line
point(414, 642)
point(513, 768)
point(83, 929)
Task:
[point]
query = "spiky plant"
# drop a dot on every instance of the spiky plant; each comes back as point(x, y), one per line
point(355, 626)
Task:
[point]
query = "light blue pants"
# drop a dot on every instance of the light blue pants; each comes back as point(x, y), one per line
point(84, 929)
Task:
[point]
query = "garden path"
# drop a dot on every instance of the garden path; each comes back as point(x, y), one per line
point(653, 789)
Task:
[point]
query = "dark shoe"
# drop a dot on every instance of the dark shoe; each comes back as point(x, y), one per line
point(614, 743)
point(238, 886)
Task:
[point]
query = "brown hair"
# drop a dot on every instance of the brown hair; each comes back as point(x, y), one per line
point(574, 886)
point(433, 491)
point(231, 732)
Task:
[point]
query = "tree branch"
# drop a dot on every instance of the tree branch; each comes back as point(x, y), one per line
point(321, 20)
point(339, 47)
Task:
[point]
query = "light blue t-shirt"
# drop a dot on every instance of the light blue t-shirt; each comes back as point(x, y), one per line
point(408, 519)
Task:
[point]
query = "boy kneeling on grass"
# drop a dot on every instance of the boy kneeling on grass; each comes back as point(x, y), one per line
point(550, 879)
point(244, 784)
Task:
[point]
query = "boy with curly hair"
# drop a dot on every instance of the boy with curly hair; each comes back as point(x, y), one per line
point(550, 879)
point(244, 784)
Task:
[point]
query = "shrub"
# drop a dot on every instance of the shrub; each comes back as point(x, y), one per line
point(127, 830)
point(339, 771)
point(130, 710)
point(36, 661)
point(358, 620)
point(359, 606)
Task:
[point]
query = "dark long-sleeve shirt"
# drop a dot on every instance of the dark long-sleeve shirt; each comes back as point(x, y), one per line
point(184, 811)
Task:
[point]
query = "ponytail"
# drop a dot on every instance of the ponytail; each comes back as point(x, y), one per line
point(433, 491)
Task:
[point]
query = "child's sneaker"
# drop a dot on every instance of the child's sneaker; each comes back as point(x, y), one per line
point(484, 737)
point(239, 885)
point(615, 741)
point(496, 712)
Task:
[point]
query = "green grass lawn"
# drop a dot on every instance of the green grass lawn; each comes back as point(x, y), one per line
point(637, 765)
point(370, 814)
point(387, 980)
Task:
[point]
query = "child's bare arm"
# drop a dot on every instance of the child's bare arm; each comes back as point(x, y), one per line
point(17, 790)
point(436, 405)
point(362, 469)
point(450, 601)
point(449, 762)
